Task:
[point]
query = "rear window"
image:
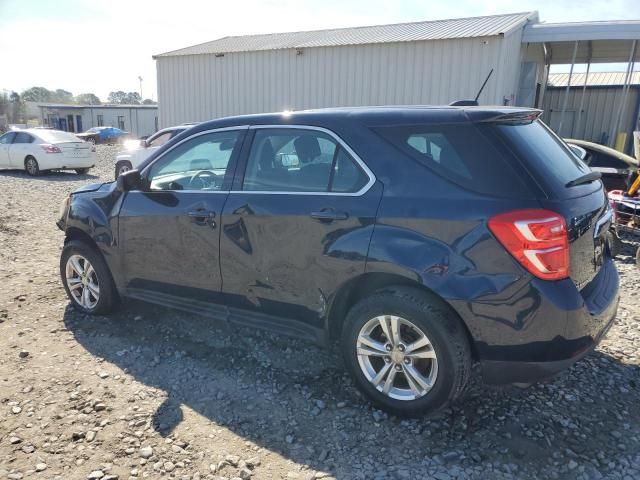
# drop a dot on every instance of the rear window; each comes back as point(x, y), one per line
point(462, 154)
point(548, 157)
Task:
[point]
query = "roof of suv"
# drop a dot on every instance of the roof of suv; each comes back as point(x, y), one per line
point(378, 115)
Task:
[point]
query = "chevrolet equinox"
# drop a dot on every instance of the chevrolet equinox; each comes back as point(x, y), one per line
point(418, 239)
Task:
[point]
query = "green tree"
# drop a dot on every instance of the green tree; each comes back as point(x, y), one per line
point(62, 96)
point(117, 97)
point(87, 99)
point(148, 101)
point(133, 98)
point(16, 108)
point(37, 94)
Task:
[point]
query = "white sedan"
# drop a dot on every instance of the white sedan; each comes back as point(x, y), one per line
point(36, 150)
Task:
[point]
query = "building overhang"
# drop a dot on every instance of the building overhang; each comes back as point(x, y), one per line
point(598, 42)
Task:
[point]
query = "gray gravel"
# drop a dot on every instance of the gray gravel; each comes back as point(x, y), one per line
point(151, 393)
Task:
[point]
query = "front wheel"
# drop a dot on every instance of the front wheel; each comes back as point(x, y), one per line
point(31, 166)
point(407, 352)
point(121, 167)
point(86, 278)
point(82, 171)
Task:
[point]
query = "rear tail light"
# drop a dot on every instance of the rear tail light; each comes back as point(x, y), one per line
point(537, 239)
point(48, 148)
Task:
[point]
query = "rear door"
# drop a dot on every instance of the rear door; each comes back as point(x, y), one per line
point(297, 224)
point(169, 232)
point(5, 144)
point(20, 149)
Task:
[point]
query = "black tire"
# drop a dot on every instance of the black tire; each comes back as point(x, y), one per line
point(442, 327)
point(31, 166)
point(119, 167)
point(82, 171)
point(92, 140)
point(107, 294)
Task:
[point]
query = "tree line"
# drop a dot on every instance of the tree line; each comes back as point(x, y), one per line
point(44, 95)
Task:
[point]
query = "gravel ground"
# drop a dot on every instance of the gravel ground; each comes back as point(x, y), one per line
point(151, 393)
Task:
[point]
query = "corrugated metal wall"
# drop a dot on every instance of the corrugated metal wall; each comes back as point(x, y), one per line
point(202, 87)
point(598, 118)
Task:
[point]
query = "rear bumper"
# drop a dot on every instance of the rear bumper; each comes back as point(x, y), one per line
point(566, 326)
point(503, 372)
point(58, 161)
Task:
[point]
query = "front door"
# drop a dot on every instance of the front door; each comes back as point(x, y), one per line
point(79, 123)
point(297, 225)
point(169, 233)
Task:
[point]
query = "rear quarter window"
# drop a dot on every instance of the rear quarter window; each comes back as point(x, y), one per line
point(462, 154)
point(544, 154)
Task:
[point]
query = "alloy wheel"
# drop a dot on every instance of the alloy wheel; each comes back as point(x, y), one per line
point(397, 358)
point(82, 281)
point(32, 166)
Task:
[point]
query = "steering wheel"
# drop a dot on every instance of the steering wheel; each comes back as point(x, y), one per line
point(203, 179)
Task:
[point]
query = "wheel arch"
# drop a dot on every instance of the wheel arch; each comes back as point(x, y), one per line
point(364, 285)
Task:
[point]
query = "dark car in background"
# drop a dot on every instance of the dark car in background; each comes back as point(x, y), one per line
point(614, 166)
point(418, 240)
point(103, 135)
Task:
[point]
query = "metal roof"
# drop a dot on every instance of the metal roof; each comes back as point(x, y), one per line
point(399, 32)
point(595, 79)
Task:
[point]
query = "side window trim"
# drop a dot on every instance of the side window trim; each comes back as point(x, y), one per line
point(233, 161)
point(341, 144)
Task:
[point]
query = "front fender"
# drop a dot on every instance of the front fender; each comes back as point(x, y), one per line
point(94, 212)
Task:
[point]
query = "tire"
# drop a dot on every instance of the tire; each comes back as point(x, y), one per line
point(82, 171)
point(638, 257)
point(121, 167)
point(31, 166)
point(415, 312)
point(78, 252)
point(92, 140)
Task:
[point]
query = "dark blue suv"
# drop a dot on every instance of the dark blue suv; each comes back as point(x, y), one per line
point(418, 239)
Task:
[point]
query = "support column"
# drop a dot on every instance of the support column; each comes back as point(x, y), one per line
point(566, 92)
point(584, 89)
point(625, 90)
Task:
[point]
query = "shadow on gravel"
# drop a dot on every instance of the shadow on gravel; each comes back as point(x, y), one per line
point(293, 398)
point(50, 175)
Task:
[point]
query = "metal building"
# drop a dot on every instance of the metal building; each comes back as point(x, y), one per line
point(592, 109)
point(139, 120)
point(433, 62)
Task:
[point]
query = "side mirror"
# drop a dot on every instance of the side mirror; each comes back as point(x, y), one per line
point(130, 180)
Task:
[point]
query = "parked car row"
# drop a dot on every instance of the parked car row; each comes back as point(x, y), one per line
point(419, 240)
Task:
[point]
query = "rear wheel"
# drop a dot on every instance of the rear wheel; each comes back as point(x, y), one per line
point(407, 352)
point(92, 140)
point(121, 167)
point(86, 278)
point(82, 171)
point(31, 166)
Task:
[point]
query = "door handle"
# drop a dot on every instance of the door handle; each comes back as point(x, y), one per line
point(329, 215)
point(203, 217)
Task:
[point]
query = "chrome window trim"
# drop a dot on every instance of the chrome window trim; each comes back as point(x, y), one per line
point(342, 143)
point(214, 130)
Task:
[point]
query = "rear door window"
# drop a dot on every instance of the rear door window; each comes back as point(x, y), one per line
point(462, 154)
point(23, 138)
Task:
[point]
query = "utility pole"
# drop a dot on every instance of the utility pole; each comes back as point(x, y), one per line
point(140, 79)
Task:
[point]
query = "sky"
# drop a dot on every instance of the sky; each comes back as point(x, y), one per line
point(102, 46)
